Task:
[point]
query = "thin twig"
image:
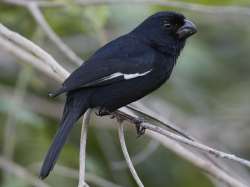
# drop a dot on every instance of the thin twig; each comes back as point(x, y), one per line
point(83, 147)
point(15, 37)
point(123, 116)
point(174, 4)
point(162, 122)
point(36, 13)
point(21, 172)
point(27, 57)
point(126, 155)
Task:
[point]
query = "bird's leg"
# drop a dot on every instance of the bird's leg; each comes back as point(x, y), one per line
point(140, 130)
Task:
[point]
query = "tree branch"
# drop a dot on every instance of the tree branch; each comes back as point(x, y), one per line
point(219, 163)
point(126, 155)
point(174, 4)
point(36, 13)
point(162, 122)
point(123, 116)
point(205, 165)
point(27, 57)
point(83, 147)
point(27, 44)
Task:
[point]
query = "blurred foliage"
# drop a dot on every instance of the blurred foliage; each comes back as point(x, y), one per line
point(76, 19)
point(210, 80)
point(14, 181)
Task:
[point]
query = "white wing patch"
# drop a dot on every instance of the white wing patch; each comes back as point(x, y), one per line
point(126, 76)
point(114, 75)
point(131, 76)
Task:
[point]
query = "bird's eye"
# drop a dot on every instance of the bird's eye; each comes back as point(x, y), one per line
point(168, 25)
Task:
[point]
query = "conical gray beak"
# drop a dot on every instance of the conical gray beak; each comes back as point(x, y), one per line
point(187, 30)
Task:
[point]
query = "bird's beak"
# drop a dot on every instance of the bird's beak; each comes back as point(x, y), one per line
point(188, 29)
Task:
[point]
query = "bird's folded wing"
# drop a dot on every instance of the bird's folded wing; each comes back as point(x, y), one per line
point(97, 72)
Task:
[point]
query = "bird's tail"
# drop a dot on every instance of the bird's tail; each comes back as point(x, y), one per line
point(73, 110)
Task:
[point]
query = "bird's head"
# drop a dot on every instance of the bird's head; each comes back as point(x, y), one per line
point(167, 31)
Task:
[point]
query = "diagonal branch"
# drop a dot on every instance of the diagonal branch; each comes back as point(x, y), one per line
point(219, 163)
point(36, 13)
point(30, 46)
point(179, 131)
point(29, 58)
point(121, 115)
point(204, 165)
point(126, 155)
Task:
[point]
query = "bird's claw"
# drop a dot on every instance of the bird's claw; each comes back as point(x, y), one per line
point(102, 112)
point(140, 130)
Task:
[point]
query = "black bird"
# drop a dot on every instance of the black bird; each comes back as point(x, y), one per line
point(121, 72)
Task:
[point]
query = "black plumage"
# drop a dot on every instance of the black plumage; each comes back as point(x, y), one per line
point(121, 72)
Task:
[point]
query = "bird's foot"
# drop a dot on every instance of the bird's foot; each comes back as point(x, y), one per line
point(140, 130)
point(104, 112)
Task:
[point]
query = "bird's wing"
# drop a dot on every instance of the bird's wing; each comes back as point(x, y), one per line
point(100, 71)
